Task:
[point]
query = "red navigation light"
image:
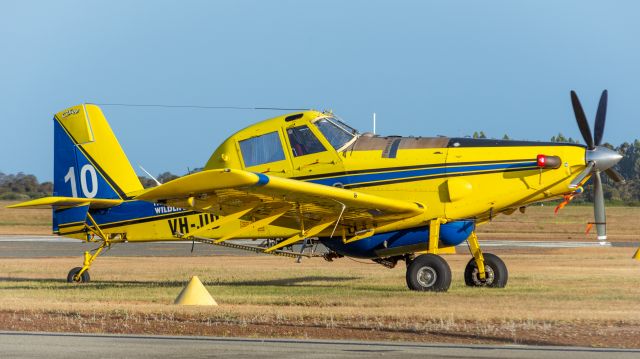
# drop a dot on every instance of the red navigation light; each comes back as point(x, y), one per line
point(544, 161)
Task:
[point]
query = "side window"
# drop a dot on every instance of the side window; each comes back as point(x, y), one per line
point(262, 149)
point(303, 141)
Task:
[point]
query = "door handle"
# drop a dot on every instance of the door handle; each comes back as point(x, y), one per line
point(316, 162)
point(275, 171)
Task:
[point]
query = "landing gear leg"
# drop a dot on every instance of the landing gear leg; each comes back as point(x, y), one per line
point(81, 274)
point(429, 272)
point(484, 270)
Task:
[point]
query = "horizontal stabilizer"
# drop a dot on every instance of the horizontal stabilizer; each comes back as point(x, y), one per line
point(47, 202)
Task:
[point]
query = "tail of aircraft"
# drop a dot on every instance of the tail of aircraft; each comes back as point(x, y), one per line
point(88, 160)
point(90, 167)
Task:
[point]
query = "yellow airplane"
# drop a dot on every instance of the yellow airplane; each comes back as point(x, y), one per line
point(309, 178)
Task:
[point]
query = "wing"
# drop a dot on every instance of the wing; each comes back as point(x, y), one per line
point(236, 193)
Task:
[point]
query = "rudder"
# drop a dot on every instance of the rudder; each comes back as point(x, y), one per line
point(88, 159)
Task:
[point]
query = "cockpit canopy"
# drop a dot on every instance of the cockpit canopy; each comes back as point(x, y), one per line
point(291, 137)
point(338, 133)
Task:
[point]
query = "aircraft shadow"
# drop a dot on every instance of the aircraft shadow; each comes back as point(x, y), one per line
point(287, 282)
point(101, 284)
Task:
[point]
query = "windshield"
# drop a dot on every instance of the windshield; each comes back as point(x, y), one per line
point(336, 132)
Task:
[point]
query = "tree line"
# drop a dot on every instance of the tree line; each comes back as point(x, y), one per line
point(25, 186)
point(22, 186)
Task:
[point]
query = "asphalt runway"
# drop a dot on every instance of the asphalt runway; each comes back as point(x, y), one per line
point(47, 246)
point(59, 345)
point(19, 246)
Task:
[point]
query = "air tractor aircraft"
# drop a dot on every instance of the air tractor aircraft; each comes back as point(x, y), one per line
point(308, 178)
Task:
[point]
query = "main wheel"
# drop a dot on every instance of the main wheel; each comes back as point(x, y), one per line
point(496, 274)
point(84, 278)
point(429, 272)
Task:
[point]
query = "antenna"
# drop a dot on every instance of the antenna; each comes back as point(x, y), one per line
point(150, 175)
point(374, 123)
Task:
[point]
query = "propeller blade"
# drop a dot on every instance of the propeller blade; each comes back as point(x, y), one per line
point(598, 207)
point(601, 115)
point(614, 175)
point(581, 118)
point(576, 181)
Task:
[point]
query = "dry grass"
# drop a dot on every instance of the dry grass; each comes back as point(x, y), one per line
point(560, 298)
point(24, 221)
point(567, 284)
point(540, 223)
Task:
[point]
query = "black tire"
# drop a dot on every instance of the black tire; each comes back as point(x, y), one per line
point(495, 269)
point(84, 278)
point(429, 273)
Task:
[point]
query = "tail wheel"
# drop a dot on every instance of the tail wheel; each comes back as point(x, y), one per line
point(429, 272)
point(496, 274)
point(84, 278)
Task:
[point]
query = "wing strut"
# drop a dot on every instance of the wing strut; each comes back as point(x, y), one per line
point(272, 216)
point(220, 222)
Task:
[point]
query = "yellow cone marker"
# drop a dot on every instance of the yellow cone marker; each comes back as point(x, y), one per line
point(195, 294)
point(637, 255)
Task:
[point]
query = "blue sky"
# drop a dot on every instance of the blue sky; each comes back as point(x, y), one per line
point(425, 67)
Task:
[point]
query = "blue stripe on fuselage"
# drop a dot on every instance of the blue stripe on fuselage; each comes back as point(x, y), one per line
point(388, 176)
point(133, 210)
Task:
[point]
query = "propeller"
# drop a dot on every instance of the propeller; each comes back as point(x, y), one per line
point(598, 159)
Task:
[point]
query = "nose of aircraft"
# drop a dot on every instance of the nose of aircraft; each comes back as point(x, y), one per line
point(598, 159)
point(603, 158)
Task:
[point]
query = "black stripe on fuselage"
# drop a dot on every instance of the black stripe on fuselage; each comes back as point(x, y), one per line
point(420, 178)
point(141, 220)
point(71, 224)
point(401, 168)
point(457, 142)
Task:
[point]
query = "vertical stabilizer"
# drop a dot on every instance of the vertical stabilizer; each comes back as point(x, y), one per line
point(88, 160)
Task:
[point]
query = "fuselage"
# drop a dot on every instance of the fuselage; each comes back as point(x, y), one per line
point(452, 178)
point(308, 176)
